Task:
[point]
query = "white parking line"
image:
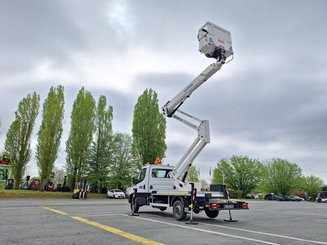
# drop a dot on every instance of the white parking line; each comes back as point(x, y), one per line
point(265, 233)
point(100, 215)
point(206, 231)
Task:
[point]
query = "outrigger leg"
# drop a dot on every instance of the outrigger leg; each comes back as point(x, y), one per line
point(133, 204)
point(230, 218)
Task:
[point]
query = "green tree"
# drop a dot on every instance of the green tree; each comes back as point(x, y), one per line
point(240, 173)
point(193, 175)
point(149, 128)
point(18, 138)
point(50, 132)
point(312, 184)
point(78, 145)
point(124, 166)
point(101, 146)
point(283, 177)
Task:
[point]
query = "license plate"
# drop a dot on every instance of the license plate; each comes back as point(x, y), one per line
point(228, 206)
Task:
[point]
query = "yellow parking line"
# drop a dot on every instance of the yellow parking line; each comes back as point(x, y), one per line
point(112, 230)
point(54, 210)
point(129, 236)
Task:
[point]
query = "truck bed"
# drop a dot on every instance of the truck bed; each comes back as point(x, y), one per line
point(213, 194)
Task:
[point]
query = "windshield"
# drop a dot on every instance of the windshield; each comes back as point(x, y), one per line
point(161, 173)
point(142, 175)
point(117, 190)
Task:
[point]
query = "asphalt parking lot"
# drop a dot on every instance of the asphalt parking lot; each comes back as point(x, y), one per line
point(107, 222)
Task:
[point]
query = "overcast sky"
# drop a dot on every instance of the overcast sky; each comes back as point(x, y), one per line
point(269, 102)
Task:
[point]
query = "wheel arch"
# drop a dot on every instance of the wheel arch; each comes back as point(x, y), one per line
point(184, 200)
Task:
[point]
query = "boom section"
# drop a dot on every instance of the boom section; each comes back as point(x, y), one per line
point(172, 106)
point(215, 42)
point(171, 109)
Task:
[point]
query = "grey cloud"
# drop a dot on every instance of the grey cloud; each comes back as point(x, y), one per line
point(33, 32)
point(55, 32)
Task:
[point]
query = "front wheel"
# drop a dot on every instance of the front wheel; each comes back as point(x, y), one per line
point(211, 214)
point(179, 211)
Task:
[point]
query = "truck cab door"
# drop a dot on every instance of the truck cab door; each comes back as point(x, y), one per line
point(160, 179)
point(143, 180)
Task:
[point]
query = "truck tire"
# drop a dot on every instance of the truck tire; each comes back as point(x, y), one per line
point(211, 214)
point(179, 211)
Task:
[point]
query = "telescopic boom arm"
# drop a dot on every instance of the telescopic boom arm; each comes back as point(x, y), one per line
point(214, 42)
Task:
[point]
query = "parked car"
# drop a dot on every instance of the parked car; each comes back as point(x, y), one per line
point(251, 196)
point(115, 193)
point(322, 197)
point(49, 186)
point(272, 196)
point(5, 161)
point(9, 184)
point(297, 198)
point(24, 185)
point(288, 198)
point(128, 190)
point(34, 184)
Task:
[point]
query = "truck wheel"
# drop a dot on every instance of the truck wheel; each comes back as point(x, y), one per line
point(211, 214)
point(134, 206)
point(178, 211)
point(162, 208)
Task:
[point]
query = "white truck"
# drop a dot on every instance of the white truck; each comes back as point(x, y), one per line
point(163, 186)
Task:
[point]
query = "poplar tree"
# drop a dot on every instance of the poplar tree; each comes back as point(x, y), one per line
point(102, 145)
point(18, 138)
point(50, 133)
point(78, 145)
point(149, 128)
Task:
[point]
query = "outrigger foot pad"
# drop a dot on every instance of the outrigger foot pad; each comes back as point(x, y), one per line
point(191, 222)
point(230, 218)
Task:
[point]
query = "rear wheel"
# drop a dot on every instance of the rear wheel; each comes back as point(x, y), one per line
point(211, 214)
point(179, 211)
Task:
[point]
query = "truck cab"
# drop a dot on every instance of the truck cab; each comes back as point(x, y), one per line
point(153, 178)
